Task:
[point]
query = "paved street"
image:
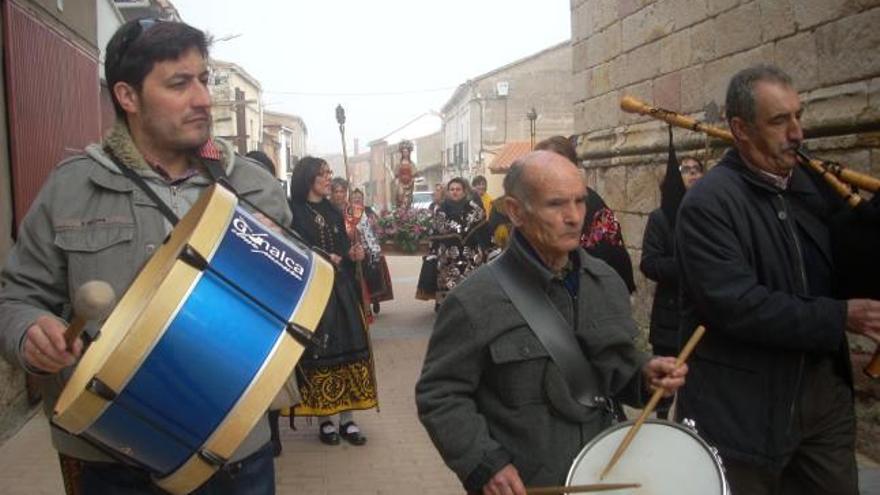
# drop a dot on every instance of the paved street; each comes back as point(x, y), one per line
point(397, 459)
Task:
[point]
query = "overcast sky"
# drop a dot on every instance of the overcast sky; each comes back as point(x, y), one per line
point(385, 61)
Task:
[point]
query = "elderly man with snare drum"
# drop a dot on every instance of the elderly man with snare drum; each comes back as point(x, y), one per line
point(492, 394)
point(771, 384)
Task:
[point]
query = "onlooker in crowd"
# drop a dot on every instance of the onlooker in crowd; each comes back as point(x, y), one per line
point(336, 377)
point(771, 381)
point(658, 264)
point(364, 220)
point(339, 193)
point(480, 185)
point(339, 199)
point(493, 397)
point(93, 220)
point(438, 196)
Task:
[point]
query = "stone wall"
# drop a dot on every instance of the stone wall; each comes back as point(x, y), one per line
point(680, 54)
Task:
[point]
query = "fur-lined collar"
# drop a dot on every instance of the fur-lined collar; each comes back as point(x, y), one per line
point(119, 142)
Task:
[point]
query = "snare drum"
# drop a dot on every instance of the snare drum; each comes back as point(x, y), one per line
point(664, 457)
point(199, 345)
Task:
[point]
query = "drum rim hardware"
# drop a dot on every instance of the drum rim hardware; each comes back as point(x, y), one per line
point(141, 319)
point(652, 423)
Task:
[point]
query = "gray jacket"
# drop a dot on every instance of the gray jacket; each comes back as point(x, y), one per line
point(490, 395)
point(90, 222)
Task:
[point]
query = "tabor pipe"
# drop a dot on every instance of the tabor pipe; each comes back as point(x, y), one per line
point(632, 105)
point(860, 180)
point(832, 175)
point(844, 191)
point(652, 404)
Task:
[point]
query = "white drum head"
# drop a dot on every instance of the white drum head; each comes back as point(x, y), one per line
point(665, 458)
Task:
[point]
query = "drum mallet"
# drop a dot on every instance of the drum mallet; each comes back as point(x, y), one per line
point(596, 487)
point(91, 302)
point(652, 404)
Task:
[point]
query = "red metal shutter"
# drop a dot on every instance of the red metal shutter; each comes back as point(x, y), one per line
point(53, 101)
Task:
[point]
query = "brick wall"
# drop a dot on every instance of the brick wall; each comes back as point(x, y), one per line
point(680, 54)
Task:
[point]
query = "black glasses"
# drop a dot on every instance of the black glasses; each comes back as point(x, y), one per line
point(690, 169)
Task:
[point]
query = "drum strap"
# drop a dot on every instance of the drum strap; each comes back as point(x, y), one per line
point(214, 168)
point(141, 183)
point(555, 334)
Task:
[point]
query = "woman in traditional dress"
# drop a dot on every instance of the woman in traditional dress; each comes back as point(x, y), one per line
point(459, 239)
point(339, 199)
point(337, 376)
point(426, 287)
point(360, 223)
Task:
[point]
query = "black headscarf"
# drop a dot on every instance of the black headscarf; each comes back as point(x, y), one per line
point(672, 189)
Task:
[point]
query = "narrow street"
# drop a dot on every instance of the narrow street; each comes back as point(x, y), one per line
point(397, 459)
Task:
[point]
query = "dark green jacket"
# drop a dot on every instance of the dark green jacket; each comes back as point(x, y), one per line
point(489, 394)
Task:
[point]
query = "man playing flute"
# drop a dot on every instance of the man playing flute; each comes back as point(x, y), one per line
point(771, 383)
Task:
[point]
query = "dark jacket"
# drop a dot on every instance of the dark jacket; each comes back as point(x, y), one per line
point(490, 395)
point(755, 268)
point(658, 264)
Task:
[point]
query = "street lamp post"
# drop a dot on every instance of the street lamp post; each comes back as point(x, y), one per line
point(340, 119)
point(532, 116)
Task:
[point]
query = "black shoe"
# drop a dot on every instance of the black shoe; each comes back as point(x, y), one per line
point(350, 433)
point(328, 435)
point(376, 307)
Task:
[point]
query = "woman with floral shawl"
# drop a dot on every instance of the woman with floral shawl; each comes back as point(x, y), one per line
point(459, 239)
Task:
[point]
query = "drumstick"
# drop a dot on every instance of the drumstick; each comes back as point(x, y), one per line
point(658, 394)
point(91, 302)
point(598, 487)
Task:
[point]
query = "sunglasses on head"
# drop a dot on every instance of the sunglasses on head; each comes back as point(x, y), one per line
point(143, 25)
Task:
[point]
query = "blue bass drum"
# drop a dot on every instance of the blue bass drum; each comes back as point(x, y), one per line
point(201, 342)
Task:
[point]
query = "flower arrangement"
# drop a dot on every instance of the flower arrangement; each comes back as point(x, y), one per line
point(405, 227)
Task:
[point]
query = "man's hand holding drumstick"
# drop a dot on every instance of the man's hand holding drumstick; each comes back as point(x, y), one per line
point(49, 345)
point(661, 372)
point(660, 388)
